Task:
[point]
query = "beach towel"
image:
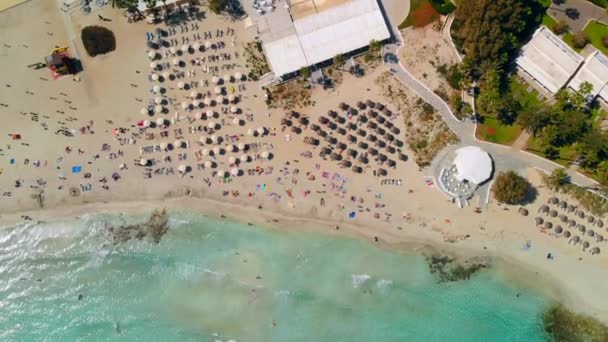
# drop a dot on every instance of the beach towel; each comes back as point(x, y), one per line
point(76, 169)
point(12, 161)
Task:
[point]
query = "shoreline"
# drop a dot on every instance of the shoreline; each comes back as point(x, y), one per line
point(514, 269)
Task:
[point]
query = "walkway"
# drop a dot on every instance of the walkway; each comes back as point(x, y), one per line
point(586, 11)
point(505, 158)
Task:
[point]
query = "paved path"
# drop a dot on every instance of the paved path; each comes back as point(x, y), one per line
point(505, 158)
point(587, 11)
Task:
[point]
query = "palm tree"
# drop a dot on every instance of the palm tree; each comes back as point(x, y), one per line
point(339, 60)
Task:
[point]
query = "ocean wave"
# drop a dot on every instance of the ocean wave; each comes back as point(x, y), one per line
point(360, 279)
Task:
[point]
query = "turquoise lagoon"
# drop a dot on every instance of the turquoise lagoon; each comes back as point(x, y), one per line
point(216, 280)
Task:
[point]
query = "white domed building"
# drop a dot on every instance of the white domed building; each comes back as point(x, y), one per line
point(471, 167)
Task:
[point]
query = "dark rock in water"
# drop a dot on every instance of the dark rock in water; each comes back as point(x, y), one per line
point(156, 226)
point(561, 324)
point(448, 269)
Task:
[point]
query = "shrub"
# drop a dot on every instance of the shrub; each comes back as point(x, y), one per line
point(424, 15)
point(605, 41)
point(97, 40)
point(561, 27)
point(511, 188)
point(580, 39)
point(443, 6)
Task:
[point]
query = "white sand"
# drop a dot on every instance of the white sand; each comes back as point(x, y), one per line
point(420, 217)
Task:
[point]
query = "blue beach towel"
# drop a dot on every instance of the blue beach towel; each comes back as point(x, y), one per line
point(76, 169)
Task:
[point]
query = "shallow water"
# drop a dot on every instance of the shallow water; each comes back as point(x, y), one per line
point(213, 280)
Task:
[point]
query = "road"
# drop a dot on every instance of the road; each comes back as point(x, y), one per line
point(505, 157)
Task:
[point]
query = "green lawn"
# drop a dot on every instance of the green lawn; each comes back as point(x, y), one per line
point(596, 31)
point(521, 93)
point(494, 131)
point(567, 154)
point(549, 21)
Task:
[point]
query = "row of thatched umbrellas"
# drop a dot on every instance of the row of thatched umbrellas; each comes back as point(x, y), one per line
point(575, 239)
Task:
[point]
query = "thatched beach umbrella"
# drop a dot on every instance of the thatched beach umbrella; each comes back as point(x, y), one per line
point(590, 233)
point(590, 219)
point(563, 204)
point(571, 208)
point(370, 103)
point(363, 145)
point(372, 114)
point(595, 250)
point(351, 138)
point(581, 228)
point(242, 146)
point(357, 169)
point(372, 151)
point(235, 172)
point(543, 209)
point(575, 239)
point(581, 214)
point(538, 220)
point(567, 233)
point(599, 237)
point(599, 223)
point(563, 218)
point(360, 105)
point(363, 159)
point(362, 119)
point(403, 157)
point(395, 130)
point(523, 211)
point(571, 223)
point(332, 114)
point(343, 106)
point(553, 213)
point(558, 230)
point(372, 138)
point(552, 200)
point(341, 146)
point(322, 133)
point(335, 156)
point(238, 76)
point(586, 244)
point(380, 119)
point(362, 132)
point(346, 163)
point(341, 131)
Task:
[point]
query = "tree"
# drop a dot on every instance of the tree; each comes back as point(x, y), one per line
point(561, 27)
point(97, 40)
point(339, 60)
point(558, 178)
point(305, 72)
point(489, 101)
point(494, 30)
point(511, 188)
point(580, 39)
point(602, 174)
point(605, 41)
point(534, 118)
point(216, 6)
point(551, 153)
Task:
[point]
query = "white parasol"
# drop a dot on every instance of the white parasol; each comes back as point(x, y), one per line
point(231, 160)
point(158, 100)
point(173, 51)
point(221, 173)
point(219, 99)
point(164, 145)
point(207, 44)
point(181, 85)
point(216, 150)
point(156, 88)
point(208, 164)
point(153, 65)
point(152, 55)
point(160, 121)
point(227, 78)
point(177, 143)
point(211, 124)
point(215, 79)
point(261, 130)
point(175, 61)
point(205, 152)
point(185, 105)
point(233, 109)
point(238, 76)
point(250, 132)
point(185, 48)
point(181, 168)
point(210, 113)
point(194, 94)
point(143, 162)
point(231, 98)
point(265, 154)
point(154, 77)
point(241, 146)
point(207, 101)
point(235, 171)
point(144, 111)
point(158, 108)
point(218, 90)
point(244, 158)
point(166, 75)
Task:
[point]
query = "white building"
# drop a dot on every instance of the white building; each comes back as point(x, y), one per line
point(549, 60)
point(594, 71)
point(473, 164)
point(315, 31)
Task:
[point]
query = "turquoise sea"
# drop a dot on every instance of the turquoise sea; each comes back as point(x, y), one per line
point(211, 280)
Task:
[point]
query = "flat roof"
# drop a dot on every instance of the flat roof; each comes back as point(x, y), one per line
point(549, 60)
point(339, 28)
point(594, 71)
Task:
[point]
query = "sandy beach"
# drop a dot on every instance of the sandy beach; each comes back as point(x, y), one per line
point(279, 179)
